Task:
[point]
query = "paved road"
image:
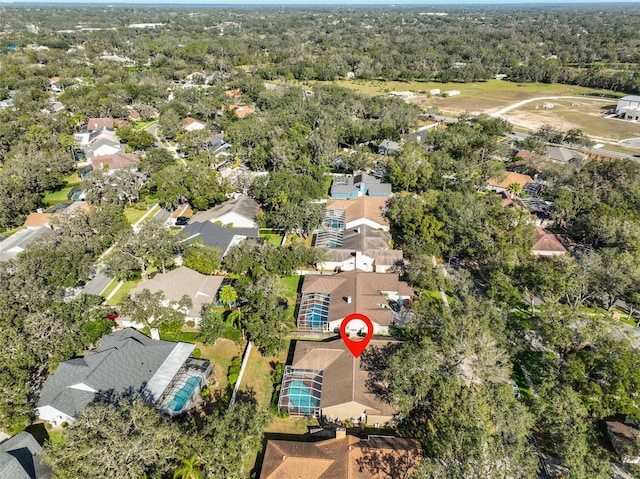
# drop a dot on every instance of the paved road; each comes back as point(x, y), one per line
point(153, 129)
point(98, 284)
point(507, 109)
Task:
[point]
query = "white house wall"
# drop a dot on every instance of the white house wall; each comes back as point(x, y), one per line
point(365, 221)
point(53, 416)
point(238, 221)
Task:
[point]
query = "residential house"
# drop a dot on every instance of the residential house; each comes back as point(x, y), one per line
point(326, 381)
point(509, 179)
point(625, 441)
point(419, 136)
point(559, 154)
point(363, 248)
point(325, 300)
point(94, 124)
point(241, 111)
point(343, 457)
point(201, 288)
point(15, 244)
point(363, 210)
point(19, 458)
point(37, 220)
point(388, 147)
point(8, 103)
point(239, 212)
point(348, 187)
point(216, 236)
point(191, 124)
point(114, 162)
point(103, 147)
point(549, 244)
point(126, 363)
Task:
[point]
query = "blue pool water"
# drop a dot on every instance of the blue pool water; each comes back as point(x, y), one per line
point(316, 318)
point(301, 398)
point(182, 396)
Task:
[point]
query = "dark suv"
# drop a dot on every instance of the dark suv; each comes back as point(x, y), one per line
point(182, 221)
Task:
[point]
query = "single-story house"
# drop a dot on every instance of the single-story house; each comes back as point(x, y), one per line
point(363, 210)
point(549, 244)
point(349, 187)
point(624, 440)
point(114, 162)
point(15, 244)
point(344, 457)
point(509, 178)
point(216, 236)
point(201, 288)
point(191, 124)
point(37, 220)
point(325, 380)
point(241, 111)
point(559, 154)
point(239, 212)
point(94, 124)
point(364, 248)
point(19, 458)
point(628, 107)
point(325, 300)
point(388, 147)
point(126, 362)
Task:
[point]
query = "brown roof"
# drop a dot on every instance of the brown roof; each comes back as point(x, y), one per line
point(344, 380)
point(348, 457)
point(35, 220)
point(364, 289)
point(509, 178)
point(234, 93)
point(114, 162)
point(100, 123)
point(370, 207)
point(241, 111)
point(549, 242)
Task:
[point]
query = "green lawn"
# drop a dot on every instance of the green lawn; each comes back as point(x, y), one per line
point(53, 197)
point(518, 377)
point(143, 125)
point(133, 215)
point(220, 354)
point(269, 236)
point(110, 288)
point(257, 375)
point(122, 292)
point(290, 286)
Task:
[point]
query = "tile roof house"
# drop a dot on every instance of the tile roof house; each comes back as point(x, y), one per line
point(241, 111)
point(19, 458)
point(327, 299)
point(126, 362)
point(624, 440)
point(348, 187)
point(201, 288)
point(114, 162)
point(549, 244)
point(15, 244)
point(363, 210)
point(216, 236)
point(191, 124)
point(94, 124)
point(363, 247)
point(239, 212)
point(510, 178)
point(325, 380)
point(342, 457)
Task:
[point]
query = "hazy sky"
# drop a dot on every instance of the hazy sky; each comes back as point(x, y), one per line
point(321, 2)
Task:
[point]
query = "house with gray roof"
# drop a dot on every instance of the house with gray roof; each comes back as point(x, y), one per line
point(239, 212)
point(628, 107)
point(559, 154)
point(103, 147)
point(19, 458)
point(126, 363)
point(347, 187)
point(15, 244)
point(388, 147)
point(216, 236)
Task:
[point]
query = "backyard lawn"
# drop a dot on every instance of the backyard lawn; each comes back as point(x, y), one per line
point(271, 237)
point(220, 354)
point(290, 286)
point(257, 375)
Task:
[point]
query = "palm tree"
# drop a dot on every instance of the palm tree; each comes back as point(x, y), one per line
point(189, 468)
point(227, 295)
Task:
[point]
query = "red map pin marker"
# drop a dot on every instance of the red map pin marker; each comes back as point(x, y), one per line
point(356, 347)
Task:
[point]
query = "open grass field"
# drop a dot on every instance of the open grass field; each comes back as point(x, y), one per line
point(220, 354)
point(585, 114)
point(257, 375)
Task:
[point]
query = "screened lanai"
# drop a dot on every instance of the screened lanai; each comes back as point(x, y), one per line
point(314, 311)
point(300, 392)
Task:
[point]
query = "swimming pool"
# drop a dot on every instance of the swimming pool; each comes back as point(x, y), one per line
point(182, 396)
point(301, 398)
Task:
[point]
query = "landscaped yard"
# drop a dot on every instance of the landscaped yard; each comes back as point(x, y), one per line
point(271, 237)
point(134, 214)
point(257, 375)
point(220, 354)
point(290, 286)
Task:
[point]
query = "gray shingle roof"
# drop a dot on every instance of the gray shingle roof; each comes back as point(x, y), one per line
point(216, 236)
point(17, 242)
point(125, 361)
point(243, 205)
point(19, 458)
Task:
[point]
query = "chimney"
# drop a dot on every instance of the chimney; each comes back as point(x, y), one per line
point(341, 433)
point(155, 334)
point(348, 299)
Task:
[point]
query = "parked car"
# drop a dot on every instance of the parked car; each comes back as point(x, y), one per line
point(182, 221)
point(394, 305)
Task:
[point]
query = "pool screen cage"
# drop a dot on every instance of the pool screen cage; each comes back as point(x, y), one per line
point(335, 219)
point(300, 392)
point(314, 312)
point(329, 238)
